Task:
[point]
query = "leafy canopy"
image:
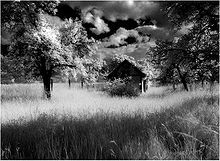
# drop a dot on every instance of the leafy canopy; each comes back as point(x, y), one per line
point(193, 56)
point(44, 48)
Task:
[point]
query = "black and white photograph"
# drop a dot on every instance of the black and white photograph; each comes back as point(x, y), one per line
point(109, 80)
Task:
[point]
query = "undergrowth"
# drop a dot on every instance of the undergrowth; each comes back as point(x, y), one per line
point(121, 88)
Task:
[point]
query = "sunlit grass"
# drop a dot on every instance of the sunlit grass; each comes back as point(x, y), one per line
point(26, 101)
point(86, 124)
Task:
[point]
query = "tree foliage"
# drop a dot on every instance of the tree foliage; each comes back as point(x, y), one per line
point(193, 56)
point(194, 11)
point(16, 19)
point(47, 49)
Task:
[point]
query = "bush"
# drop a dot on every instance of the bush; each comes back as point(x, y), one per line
point(121, 87)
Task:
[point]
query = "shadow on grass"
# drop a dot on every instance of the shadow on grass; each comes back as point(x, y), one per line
point(110, 136)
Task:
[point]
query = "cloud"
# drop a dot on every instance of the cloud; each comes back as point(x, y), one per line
point(118, 38)
point(103, 18)
point(138, 51)
point(109, 52)
point(156, 32)
point(93, 16)
point(123, 10)
point(163, 33)
point(123, 36)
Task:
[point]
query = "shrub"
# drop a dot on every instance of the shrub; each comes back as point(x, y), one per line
point(121, 87)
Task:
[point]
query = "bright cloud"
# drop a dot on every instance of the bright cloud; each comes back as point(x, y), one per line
point(93, 16)
point(100, 25)
point(121, 34)
point(156, 32)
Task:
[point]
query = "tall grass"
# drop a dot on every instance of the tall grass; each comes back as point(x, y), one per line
point(81, 124)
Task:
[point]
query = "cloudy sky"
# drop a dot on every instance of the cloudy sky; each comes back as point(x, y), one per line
point(104, 18)
point(119, 25)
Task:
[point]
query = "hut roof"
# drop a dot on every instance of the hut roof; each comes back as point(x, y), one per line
point(124, 69)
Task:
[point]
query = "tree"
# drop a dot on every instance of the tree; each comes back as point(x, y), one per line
point(87, 65)
point(204, 48)
point(191, 58)
point(147, 67)
point(21, 20)
point(46, 48)
point(194, 11)
point(16, 19)
point(194, 56)
point(168, 58)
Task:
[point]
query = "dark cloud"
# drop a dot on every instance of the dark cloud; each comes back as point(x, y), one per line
point(131, 39)
point(112, 46)
point(65, 11)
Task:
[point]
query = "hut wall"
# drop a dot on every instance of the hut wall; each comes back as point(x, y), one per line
point(136, 80)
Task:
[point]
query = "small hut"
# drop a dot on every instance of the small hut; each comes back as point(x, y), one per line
point(127, 69)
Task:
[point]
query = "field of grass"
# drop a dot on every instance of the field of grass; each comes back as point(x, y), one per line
point(87, 124)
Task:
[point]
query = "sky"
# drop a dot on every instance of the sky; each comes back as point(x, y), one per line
point(119, 25)
point(104, 18)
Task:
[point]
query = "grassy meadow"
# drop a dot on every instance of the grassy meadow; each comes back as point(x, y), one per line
point(88, 124)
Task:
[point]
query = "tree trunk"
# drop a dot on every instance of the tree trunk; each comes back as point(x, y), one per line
point(69, 82)
point(174, 87)
point(46, 81)
point(51, 84)
point(202, 83)
point(45, 68)
point(81, 84)
point(183, 79)
point(211, 85)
